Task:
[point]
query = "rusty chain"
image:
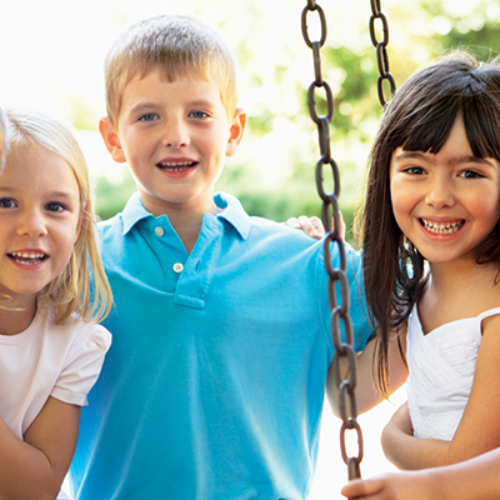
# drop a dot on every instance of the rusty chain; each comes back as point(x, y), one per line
point(381, 46)
point(339, 312)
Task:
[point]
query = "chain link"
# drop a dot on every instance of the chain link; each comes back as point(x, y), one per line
point(336, 276)
point(381, 47)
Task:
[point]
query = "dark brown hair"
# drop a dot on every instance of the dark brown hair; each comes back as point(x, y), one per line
point(419, 118)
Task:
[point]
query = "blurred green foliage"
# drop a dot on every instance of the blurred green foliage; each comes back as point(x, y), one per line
point(420, 31)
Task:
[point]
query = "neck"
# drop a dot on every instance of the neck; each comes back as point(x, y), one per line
point(187, 227)
point(16, 316)
point(185, 218)
point(450, 279)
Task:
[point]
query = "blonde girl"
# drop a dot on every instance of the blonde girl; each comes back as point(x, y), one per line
point(53, 292)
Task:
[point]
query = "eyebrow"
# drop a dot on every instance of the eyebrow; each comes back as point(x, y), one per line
point(456, 160)
point(151, 105)
point(54, 194)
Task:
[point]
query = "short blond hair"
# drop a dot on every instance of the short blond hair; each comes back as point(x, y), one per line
point(82, 287)
point(176, 45)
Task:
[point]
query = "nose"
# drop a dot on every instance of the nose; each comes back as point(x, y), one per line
point(440, 193)
point(31, 223)
point(175, 134)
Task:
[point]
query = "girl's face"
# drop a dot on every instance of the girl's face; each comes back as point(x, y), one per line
point(445, 203)
point(39, 221)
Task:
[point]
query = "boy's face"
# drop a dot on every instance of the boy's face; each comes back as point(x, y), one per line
point(174, 136)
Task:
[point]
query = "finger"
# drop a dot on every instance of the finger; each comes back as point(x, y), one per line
point(318, 224)
point(361, 488)
point(342, 226)
point(309, 227)
point(292, 222)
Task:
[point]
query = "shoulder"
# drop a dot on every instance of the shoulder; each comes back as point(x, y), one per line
point(282, 242)
point(253, 227)
point(284, 237)
point(74, 333)
point(110, 226)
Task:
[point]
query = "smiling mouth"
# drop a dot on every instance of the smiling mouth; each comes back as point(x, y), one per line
point(442, 228)
point(176, 166)
point(27, 259)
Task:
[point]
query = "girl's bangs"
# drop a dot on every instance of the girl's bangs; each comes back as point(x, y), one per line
point(425, 128)
point(428, 128)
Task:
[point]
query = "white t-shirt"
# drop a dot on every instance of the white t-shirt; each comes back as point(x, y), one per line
point(62, 361)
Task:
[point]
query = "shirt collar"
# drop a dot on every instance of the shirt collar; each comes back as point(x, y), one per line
point(233, 213)
point(133, 212)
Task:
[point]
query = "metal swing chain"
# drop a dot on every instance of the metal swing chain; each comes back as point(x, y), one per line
point(337, 277)
point(382, 57)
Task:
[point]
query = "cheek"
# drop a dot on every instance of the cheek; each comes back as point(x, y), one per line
point(397, 200)
point(484, 205)
point(68, 236)
point(402, 204)
point(489, 213)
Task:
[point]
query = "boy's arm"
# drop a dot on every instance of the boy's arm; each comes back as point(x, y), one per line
point(35, 467)
point(477, 478)
point(366, 391)
point(479, 429)
point(367, 394)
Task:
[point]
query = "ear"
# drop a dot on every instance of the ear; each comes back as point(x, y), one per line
point(236, 130)
point(111, 139)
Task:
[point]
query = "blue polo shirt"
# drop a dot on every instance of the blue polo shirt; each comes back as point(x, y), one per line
point(213, 387)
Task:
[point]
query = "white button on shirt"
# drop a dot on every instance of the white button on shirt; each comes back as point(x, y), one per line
point(159, 231)
point(178, 267)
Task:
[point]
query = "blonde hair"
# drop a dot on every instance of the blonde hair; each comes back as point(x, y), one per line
point(82, 287)
point(176, 45)
point(4, 145)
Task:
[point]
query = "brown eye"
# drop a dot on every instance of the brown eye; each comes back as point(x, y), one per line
point(414, 170)
point(55, 207)
point(7, 203)
point(470, 174)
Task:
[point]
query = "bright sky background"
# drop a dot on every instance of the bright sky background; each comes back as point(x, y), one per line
point(53, 53)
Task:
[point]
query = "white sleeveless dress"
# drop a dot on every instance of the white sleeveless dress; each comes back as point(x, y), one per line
point(441, 366)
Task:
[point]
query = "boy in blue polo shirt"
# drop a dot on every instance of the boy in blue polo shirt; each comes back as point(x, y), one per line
point(214, 386)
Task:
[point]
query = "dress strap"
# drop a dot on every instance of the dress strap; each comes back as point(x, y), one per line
point(487, 314)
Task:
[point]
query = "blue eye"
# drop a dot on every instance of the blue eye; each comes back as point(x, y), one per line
point(54, 207)
point(148, 117)
point(198, 114)
point(7, 203)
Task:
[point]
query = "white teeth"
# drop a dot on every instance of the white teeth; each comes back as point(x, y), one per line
point(26, 255)
point(28, 262)
point(177, 167)
point(446, 228)
point(35, 258)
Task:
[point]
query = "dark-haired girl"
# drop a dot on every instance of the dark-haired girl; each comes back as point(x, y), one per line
point(431, 239)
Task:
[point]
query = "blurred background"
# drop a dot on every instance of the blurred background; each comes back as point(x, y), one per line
point(53, 52)
point(52, 57)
